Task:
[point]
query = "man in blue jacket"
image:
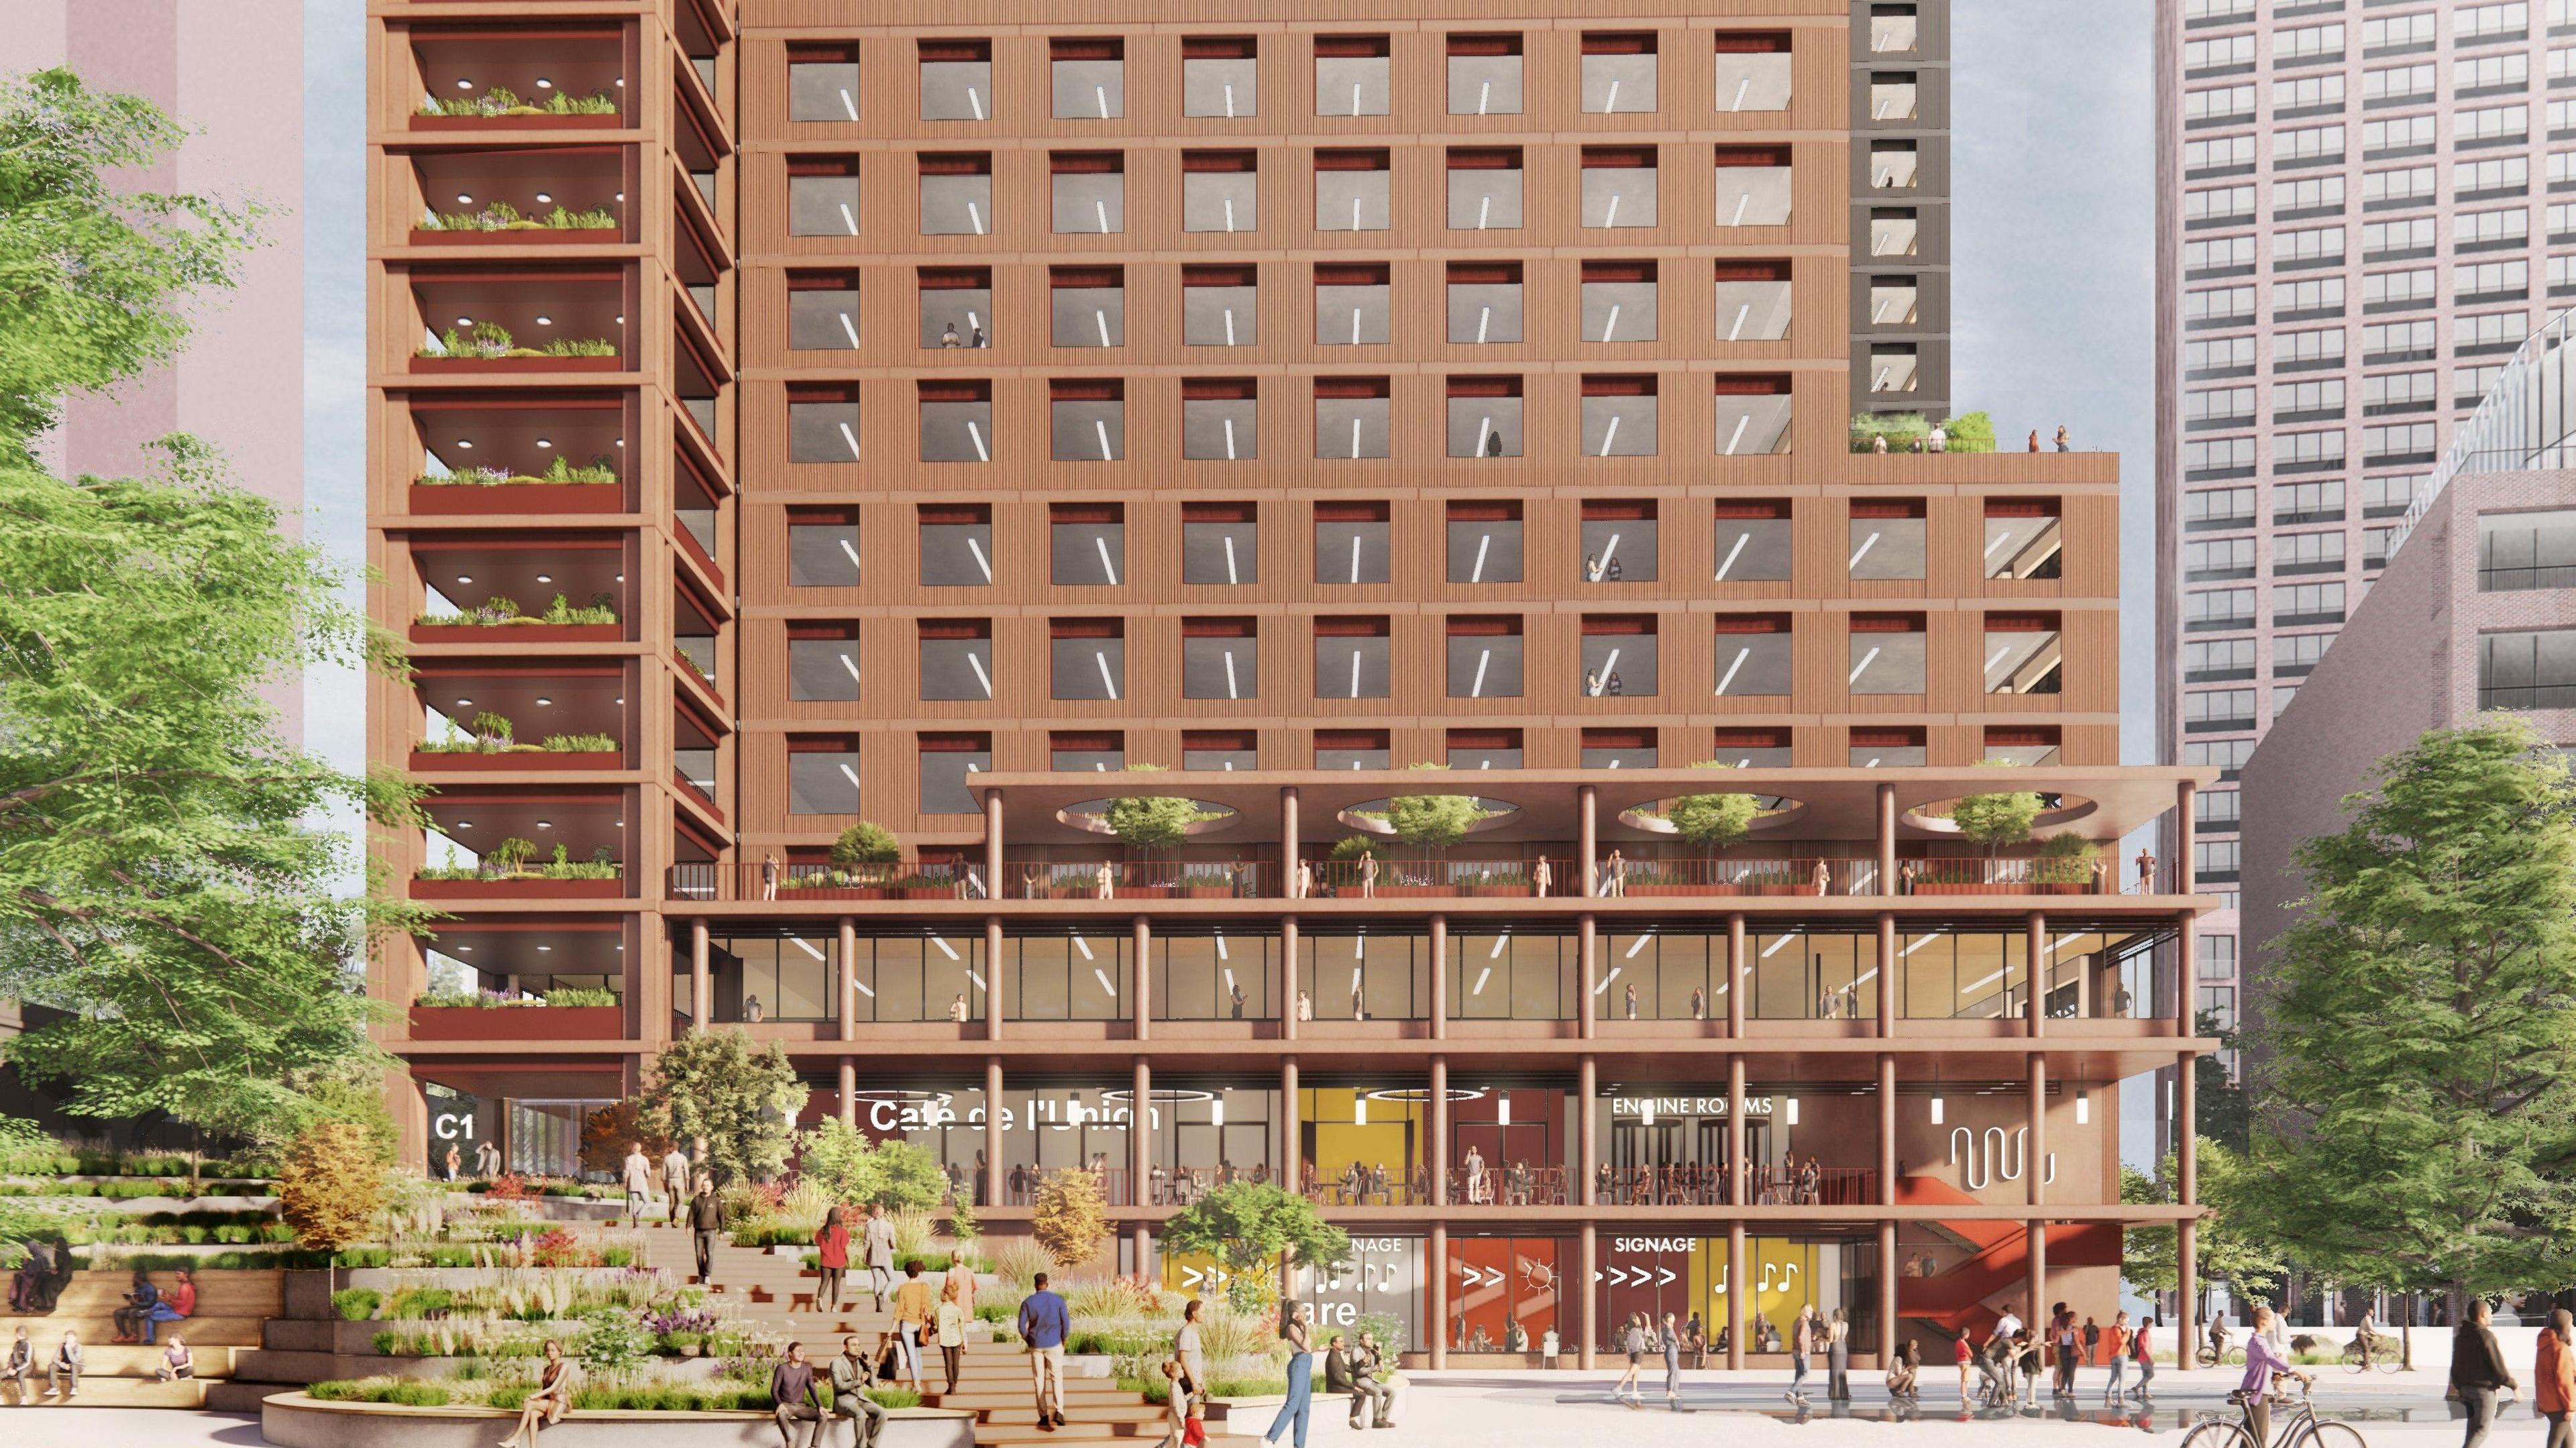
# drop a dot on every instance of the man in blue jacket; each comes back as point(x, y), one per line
point(1045, 1322)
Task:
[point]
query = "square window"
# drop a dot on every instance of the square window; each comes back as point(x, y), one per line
point(1090, 192)
point(1886, 656)
point(1485, 189)
point(1088, 307)
point(956, 194)
point(823, 426)
point(1618, 186)
point(822, 781)
point(1618, 542)
point(1218, 77)
point(823, 83)
point(1484, 542)
point(956, 546)
point(1220, 659)
point(1484, 302)
point(823, 197)
point(1351, 75)
point(1484, 658)
point(1753, 186)
point(1618, 657)
point(1619, 301)
point(1484, 75)
point(1088, 544)
point(1088, 421)
point(822, 312)
point(956, 308)
point(1220, 544)
point(956, 661)
point(1886, 541)
point(822, 552)
point(1753, 71)
point(1351, 418)
point(1352, 303)
point(1485, 420)
point(1220, 191)
point(1088, 659)
point(1753, 543)
point(1351, 664)
point(1219, 306)
point(1752, 415)
point(1619, 74)
point(1351, 190)
point(1090, 78)
point(823, 668)
point(1618, 417)
point(949, 764)
point(956, 421)
point(1351, 543)
point(956, 80)
point(1220, 419)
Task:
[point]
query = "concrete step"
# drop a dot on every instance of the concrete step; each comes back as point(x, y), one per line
point(104, 1359)
point(99, 1392)
point(201, 1331)
point(1026, 1413)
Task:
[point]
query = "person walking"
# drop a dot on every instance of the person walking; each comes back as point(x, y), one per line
point(791, 1391)
point(675, 1182)
point(1632, 1340)
point(852, 1376)
point(1176, 1404)
point(638, 1176)
point(546, 1403)
point(2143, 1353)
point(1838, 1358)
point(2553, 1376)
point(1044, 1323)
point(879, 1245)
point(1187, 1351)
point(1299, 1404)
point(832, 1256)
point(706, 1223)
point(2068, 1342)
point(914, 1316)
point(2477, 1368)
point(950, 1317)
point(1965, 1356)
point(2115, 1341)
point(1672, 1346)
point(1802, 1342)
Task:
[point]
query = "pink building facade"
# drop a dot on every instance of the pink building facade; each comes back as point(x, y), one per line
point(2363, 209)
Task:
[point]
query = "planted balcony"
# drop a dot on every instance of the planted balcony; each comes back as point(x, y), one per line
point(501, 107)
point(564, 1013)
point(490, 347)
point(563, 487)
point(522, 197)
point(489, 743)
point(481, 455)
point(499, 619)
point(509, 870)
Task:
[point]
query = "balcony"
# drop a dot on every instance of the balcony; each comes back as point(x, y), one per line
point(487, 719)
point(476, 82)
point(540, 197)
point(494, 844)
point(473, 324)
point(483, 457)
point(572, 591)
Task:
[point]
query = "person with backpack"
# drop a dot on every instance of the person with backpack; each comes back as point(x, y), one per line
point(2116, 1340)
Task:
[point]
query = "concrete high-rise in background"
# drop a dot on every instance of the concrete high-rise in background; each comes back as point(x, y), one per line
point(2361, 214)
point(216, 67)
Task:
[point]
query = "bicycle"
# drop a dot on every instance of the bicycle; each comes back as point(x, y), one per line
point(2210, 1356)
point(2386, 1356)
point(2304, 1429)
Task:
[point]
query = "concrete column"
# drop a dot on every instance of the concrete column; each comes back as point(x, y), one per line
point(996, 1172)
point(1737, 1299)
point(849, 969)
point(1289, 848)
point(2034, 1165)
point(1588, 1260)
point(1140, 1143)
point(1733, 985)
point(1886, 1129)
point(1587, 829)
point(702, 994)
point(2185, 871)
point(1889, 962)
point(1887, 839)
point(1144, 1252)
point(1439, 977)
point(1735, 1196)
point(1141, 981)
point(2186, 975)
point(1436, 1157)
point(1887, 1335)
point(992, 977)
point(1587, 974)
point(2034, 949)
point(849, 1091)
point(1438, 1267)
point(2036, 1242)
point(1586, 1087)
point(1288, 976)
point(1291, 1140)
point(993, 885)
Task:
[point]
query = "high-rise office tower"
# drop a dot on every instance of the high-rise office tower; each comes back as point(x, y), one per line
point(1417, 434)
point(2361, 215)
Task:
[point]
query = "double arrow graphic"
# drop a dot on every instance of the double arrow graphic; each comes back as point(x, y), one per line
point(1639, 1277)
point(1213, 1277)
point(1481, 1276)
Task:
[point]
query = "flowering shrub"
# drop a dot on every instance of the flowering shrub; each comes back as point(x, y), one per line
point(510, 1187)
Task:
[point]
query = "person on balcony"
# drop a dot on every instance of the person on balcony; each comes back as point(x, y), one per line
point(1234, 1000)
point(1824, 877)
point(769, 877)
point(2146, 871)
point(1614, 877)
point(957, 1009)
point(1476, 1186)
point(1541, 877)
point(1905, 876)
point(1368, 875)
point(1104, 882)
point(1304, 883)
point(1305, 1006)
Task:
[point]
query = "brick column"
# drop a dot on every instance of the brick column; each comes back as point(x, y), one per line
point(1438, 1154)
point(2186, 865)
point(1291, 1141)
point(1140, 1145)
point(1737, 1298)
point(1734, 982)
point(1587, 971)
point(2034, 1162)
point(1889, 963)
point(1735, 1131)
point(702, 993)
point(1439, 977)
point(992, 977)
point(1887, 839)
point(2187, 1190)
point(2034, 951)
point(849, 972)
point(995, 1173)
point(1289, 848)
point(1140, 980)
point(1588, 1151)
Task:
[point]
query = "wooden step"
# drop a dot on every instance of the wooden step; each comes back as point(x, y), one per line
point(103, 1392)
point(100, 1330)
point(109, 1360)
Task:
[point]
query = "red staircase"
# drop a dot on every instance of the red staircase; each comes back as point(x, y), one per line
point(1956, 1301)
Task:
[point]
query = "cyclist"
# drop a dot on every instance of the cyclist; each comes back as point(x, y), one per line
point(2369, 1337)
point(2218, 1339)
point(2262, 1364)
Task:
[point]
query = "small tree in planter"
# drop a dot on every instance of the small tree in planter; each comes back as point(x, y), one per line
point(866, 843)
point(1150, 822)
point(508, 856)
point(2066, 859)
point(1068, 1217)
point(490, 730)
point(1999, 819)
point(1713, 821)
point(1432, 821)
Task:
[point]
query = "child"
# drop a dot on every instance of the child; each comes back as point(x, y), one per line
point(1194, 1432)
point(1179, 1405)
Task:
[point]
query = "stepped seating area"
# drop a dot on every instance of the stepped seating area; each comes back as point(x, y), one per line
point(992, 1382)
point(231, 1306)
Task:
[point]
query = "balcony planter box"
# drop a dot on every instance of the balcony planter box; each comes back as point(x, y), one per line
point(1201, 892)
point(587, 121)
point(1662, 892)
point(507, 365)
point(439, 759)
point(1931, 889)
point(833, 892)
point(1495, 892)
point(552, 633)
point(517, 1023)
point(451, 499)
point(522, 236)
point(1407, 892)
point(518, 889)
point(922, 892)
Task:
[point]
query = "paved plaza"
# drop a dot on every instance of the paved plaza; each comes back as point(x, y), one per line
point(1498, 1410)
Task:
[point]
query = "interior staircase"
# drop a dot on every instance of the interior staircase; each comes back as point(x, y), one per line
point(1960, 1299)
point(231, 1305)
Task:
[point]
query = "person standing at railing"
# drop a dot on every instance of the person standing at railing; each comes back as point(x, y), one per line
point(1104, 882)
point(1368, 886)
point(1824, 877)
point(1905, 876)
point(1541, 877)
point(1304, 883)
point(1628, 999)
point(769, 877)
point(2146, 871)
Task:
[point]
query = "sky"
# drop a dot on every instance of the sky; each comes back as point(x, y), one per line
point(335, 342)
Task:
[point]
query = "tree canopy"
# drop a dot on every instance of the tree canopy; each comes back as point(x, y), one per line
point(712, 1087)
point(161, 880)
point(1712, 819)
point(1243, 1224)
point(2228, 1246)
point(892, 1173)
point(2416, 1123)
point(1433, 821)
point(2004, 817)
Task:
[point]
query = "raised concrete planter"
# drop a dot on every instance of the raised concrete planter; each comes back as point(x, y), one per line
point(1330, 1417)
point(296, 1420)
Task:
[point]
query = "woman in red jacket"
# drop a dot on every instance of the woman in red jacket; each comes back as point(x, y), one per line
point(832, 1246)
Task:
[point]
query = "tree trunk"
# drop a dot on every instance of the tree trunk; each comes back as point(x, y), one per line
point(2406, 1342)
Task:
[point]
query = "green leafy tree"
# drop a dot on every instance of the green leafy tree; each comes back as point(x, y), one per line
point(737, 1104)
point(1997, 819)
point(1244, 1225)
point(893, 1173)
point(94, 279)
point(1713, 820)
point(2224, 1250)
point(1432, 821)
point(2418, 1115)
point(160, 880)
point(1150, 822)
point(1068, 1217)
point(866, 843)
